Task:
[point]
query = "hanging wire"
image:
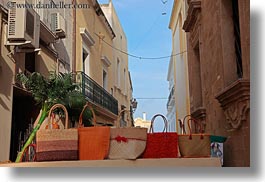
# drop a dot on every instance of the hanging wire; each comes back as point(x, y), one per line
point(148, 32)
point(151, 98)
point(140, 57)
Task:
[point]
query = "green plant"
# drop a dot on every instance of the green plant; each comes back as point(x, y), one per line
point(57, 88)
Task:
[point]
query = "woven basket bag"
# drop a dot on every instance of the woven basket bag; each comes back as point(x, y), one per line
point(93, 141)
point(57, 144)
point(126, 142)
point(161, 144)
point(194, 145)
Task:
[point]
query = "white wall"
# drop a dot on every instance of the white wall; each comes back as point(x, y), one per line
point(179, 62)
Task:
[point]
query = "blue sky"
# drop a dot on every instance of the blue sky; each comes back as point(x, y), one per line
point(146, 26)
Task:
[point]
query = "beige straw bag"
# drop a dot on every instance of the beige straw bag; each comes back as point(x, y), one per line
point(194, 145)
point(127, 143)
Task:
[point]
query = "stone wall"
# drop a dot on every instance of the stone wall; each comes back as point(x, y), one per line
point(219, 98)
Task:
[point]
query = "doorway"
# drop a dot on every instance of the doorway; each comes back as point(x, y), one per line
point(24, 113)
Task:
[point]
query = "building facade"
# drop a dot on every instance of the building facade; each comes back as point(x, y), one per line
point(218, 39)
point(122, 87)
point(178, 105)
point(78, 45)
point(142, 122)
point(104, 71)
point(93, 62)
point(47, 50)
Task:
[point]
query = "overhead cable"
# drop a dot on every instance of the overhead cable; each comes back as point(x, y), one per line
point(154, 98)
point(140, 57)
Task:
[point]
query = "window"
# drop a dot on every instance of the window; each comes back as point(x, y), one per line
point(30, 62)
point(118, 74)
point(85, 60)
point(30, 24)
point(125, 82)
point(197, 94)
point(237, 38)
point(105, 81)
point(123, 122)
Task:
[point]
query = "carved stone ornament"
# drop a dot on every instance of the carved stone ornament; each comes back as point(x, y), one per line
point(193, 13)
point(235, 101)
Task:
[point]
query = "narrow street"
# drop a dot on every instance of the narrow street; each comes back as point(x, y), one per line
point(111, 83)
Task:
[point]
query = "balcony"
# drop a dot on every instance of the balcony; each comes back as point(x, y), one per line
point(96, 94)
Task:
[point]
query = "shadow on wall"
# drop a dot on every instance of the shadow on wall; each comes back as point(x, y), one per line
point(2, 103)
point(6, 80)
point(63, 53)
point(45, 62)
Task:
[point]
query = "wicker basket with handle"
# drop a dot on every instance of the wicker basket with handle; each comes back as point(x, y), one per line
point(126, 142)
point(57, 144)
point(93, 141)
point(161, 144)
point(194, 145)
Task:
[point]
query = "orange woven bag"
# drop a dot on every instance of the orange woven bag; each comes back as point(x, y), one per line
point(93, 141)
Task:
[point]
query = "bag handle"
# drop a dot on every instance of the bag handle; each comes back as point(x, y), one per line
point(117, 124)
point(151, 130)
point(190, 133)
point(182, 126)
point(183, 123)
point(55, 106)
point(81, 115)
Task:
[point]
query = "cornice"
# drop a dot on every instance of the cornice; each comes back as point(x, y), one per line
point(193, 12)
point(235, 101)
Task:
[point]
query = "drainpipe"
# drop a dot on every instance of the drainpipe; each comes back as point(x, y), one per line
point(74, 40)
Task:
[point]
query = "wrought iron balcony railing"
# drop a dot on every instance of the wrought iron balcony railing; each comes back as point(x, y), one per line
point(96, 94)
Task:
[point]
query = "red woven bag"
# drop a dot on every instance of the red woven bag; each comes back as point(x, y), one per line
point(161, 144)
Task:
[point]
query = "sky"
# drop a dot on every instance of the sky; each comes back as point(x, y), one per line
point(146, 27)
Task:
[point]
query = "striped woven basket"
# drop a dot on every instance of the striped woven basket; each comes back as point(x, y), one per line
point(57, 144)
point(127, 143)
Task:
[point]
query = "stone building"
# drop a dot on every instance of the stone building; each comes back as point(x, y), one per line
point(93, 60)
point(56, 39)
point(102, 71)
point(218, 39)
point(46, 50)
point(142, 122)
point(122, 85)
